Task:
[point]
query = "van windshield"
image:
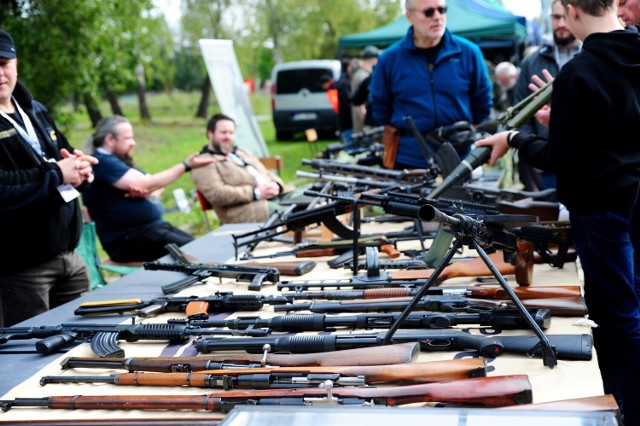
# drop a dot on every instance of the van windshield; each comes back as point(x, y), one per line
point(293, 81)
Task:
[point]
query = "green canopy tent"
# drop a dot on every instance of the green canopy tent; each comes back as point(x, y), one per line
point(478, 20)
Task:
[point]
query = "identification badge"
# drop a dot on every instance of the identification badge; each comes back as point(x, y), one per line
point(68, 192)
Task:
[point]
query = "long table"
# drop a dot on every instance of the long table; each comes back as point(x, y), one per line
point(21, 371)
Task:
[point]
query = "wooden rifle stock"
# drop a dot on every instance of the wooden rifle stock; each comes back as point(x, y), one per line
point(545, 210)
point(499, 391)
point(560, 306)
point(424, 372)
point(471, 268)
point(390, 354)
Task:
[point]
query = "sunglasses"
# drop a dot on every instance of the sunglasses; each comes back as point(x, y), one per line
point(432, 11)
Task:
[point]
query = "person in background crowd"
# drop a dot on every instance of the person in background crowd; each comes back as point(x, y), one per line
point(236, 183)
point(123, 200)
point(629, 12)
point(506, 75)
point(595, 106)
point(39, 174)
point(551, 56)
point(343, 86)
point(367, 64)
point(449, 70)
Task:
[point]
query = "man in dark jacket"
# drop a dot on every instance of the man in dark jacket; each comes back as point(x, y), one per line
point(551, 56)
point(39, 209)
point(433, 76)
point(595, 107)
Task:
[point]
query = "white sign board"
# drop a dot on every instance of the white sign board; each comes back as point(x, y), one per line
point(226, 79)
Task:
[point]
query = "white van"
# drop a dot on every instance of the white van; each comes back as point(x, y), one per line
point(301, 99)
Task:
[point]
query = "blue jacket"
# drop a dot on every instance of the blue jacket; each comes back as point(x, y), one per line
point(457, 89)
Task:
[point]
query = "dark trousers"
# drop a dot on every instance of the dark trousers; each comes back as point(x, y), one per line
point(28, 293)
point(606, 254)
point(148, 244)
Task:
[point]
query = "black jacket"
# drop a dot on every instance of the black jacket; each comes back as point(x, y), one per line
point(595, 114)
point(36, 222)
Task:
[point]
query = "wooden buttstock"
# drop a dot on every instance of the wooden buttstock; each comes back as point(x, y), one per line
point(523, 293)
point(468, 268)
point(317, 252)
point(560, 306)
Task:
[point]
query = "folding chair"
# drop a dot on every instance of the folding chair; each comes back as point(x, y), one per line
point(88, 250)
point(273, 163)
point(205, 206)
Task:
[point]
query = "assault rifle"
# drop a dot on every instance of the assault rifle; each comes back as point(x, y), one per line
point(201, 271)
point(561, 306)
point(365, 142)
point(402, 177)
point(484, 391)
point(363, 184)
point(568, 346)
point(195, 307)
point(501, 319)
point(402, 353)
point(294, 377)
point(104, 338)
point(334, 247)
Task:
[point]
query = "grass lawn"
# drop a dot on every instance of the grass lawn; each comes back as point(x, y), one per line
point(174, 133)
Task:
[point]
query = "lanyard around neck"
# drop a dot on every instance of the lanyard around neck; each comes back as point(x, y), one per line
point(28, 133)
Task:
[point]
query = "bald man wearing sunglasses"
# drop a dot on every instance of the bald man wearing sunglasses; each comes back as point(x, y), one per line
point(433, 76)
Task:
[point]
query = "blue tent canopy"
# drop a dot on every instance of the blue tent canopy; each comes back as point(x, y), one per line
point(482, 21)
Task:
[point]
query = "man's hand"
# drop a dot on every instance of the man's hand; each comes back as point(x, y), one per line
point(136, 192)
point(497, 143)
point(194, 160)
point(269, 190)
point(538, 83)
point(76, 167)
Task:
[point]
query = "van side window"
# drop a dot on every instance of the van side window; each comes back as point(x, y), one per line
point(293, 81)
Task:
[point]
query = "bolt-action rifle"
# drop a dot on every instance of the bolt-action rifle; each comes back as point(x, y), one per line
point(402, 353)
point(104, 338)
point(568, 346)
point(195, 307)
point(495, 391)
point(294, 377)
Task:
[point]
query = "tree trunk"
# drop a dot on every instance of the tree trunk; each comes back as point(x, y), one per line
point(145, 115)
point(112, 98)
point(205, 91)
point(92, 109)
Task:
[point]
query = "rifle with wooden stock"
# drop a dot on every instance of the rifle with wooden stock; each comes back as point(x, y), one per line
point(496, 391)
point(294, 377)
point(522, 269)
point(401, 353)
point(566, 346)
point(483, 292)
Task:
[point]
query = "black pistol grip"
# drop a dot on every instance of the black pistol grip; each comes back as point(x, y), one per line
point(256, 282)
point(54, 343)
point(105, 345)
